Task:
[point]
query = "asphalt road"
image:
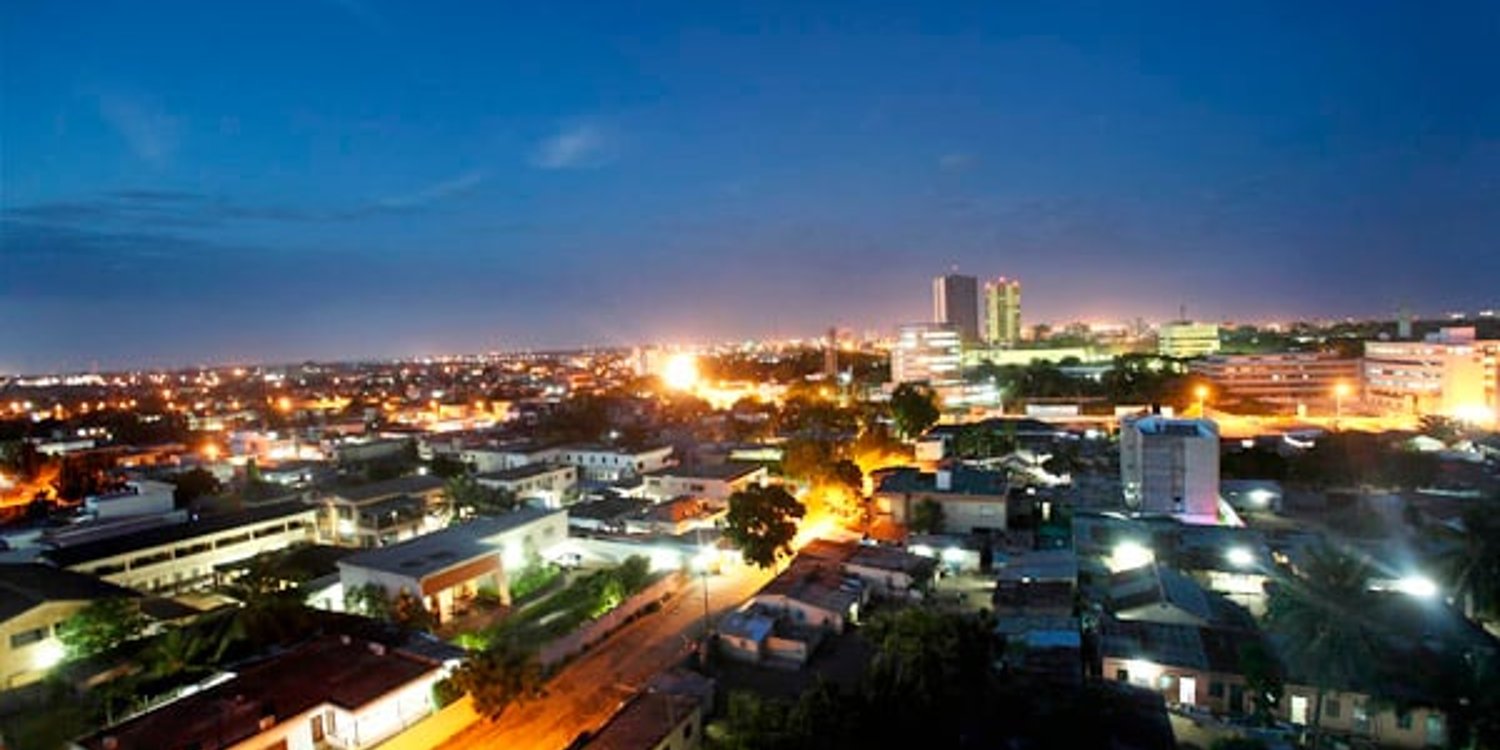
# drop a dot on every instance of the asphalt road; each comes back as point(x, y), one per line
point(588, 691)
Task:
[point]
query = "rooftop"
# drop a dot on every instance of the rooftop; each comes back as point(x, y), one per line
point(608, 509)
point(27, 585)
point(644, 721)
point(440, 550)
point(1159, 425)
point(523, 472)
point(965, 481)
point(816, 583)
point(161, 535)
point(327, 670)
point(415, 485)
point(726, 472)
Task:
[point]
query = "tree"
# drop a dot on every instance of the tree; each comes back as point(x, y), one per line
point(1471, 564)
point(1263, 680)
point(913, 409)
point(1321, 619)
point(191, 485)
point(101, 626)
point(761, 522)
point(506, 673)
point(927, 517)
point(469, 497)
point(370, 600)
point(407, 610)
point(179, 652)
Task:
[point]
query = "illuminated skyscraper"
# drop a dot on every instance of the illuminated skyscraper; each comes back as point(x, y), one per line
point(1002, 312)
point(926, 353)
point(955, 301)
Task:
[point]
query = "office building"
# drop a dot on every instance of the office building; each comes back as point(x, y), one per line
point(926, 353)
point(1184, 339)
point(1451, 373)
point(1288, 379)
point(955, 301)
point(1002, 312)
point(1171, 466)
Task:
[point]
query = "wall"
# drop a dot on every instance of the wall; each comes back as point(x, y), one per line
point(596, 631)
point(183, 569)
point(29, 663)
point(437, 728)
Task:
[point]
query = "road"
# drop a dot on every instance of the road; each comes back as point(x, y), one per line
point(588, 691)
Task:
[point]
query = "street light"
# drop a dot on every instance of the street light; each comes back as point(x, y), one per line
point(1202, 393)
point(1340, 390)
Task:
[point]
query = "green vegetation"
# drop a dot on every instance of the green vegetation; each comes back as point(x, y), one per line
point(470, 498)
point(191, 485)
point(586, 598)
point(101, 626)
point(927, 517)
point(533, 578)
point(761, 522)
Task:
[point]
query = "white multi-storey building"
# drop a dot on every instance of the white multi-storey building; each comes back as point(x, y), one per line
point(926, 353)
point(1171, 466)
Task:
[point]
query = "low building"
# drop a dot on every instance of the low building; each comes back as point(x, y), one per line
point(1157, 593)
point(668, 715)
point(511, 456)
point(605, 515)
point(370, 515)
point(758, 634)
point(35, 599)
point(675, 517)
point(551, 484)
point(887, 571)
point(709, 482)
point(1188, 665)
point(814, 592)
point(140, 497)
point(448, 568)
point(602, 463)
point(334, 691)
point(972, 501)
point(179, 557)
point(1285, 379)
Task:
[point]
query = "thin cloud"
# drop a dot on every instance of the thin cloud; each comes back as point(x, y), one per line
point(576, 147)
point(150, 134)
point(459, 185)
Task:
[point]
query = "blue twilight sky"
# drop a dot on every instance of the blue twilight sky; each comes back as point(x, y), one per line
point(227, 181)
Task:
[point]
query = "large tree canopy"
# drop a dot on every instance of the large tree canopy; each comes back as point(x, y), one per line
point(761, 523)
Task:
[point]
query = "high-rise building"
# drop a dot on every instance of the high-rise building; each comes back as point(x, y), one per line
point(1171, 466)
point(1002, 312)
point(926, 353)
point(955, 301)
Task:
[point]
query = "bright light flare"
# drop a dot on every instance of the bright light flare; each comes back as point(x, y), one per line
point(1240, 557)
point(1129, 555)
point(1418, 586)
point(681, 372)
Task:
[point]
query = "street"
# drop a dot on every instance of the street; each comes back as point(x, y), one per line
point(587, 692)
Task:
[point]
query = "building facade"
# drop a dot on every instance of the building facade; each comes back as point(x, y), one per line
point(1185, 339)
point(955, 301)
point(1171, 466)
point(1289, 379)
point(35, 600)
point(600, 463)
point(551, 484)
point(1002, 312)
point(1450, 374)
point(927, 353)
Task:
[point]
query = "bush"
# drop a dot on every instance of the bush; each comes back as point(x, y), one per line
point(533, 578)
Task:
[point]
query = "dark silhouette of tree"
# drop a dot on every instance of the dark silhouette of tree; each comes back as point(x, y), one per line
point(191, 485)
point(762, 522)
point(102, 626)
point(927, 517)
point(502, 675)
point(1471, 563)
point(913, 409)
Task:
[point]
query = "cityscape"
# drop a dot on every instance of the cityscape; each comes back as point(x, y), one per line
point(377, 376)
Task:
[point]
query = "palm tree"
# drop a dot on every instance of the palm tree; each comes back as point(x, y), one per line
point(1319, 617)
point(179, 653)
point(1471, 565)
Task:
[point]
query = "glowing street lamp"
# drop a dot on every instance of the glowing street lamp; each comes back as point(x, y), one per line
point(681, 373)
point(1202, 393)
point(1240, 557)
point(1130, 555)
point(1341, 389)
point(1419, 586)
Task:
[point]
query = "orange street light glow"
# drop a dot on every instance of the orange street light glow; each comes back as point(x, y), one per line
point(681, 372)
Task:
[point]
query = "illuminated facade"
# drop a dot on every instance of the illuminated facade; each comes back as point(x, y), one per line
point(926, 353)
point(1171, 466)
point(1449, 374)
point(955, 301)
point(1002, 312)
point(1184, 339)
point(1287, 379)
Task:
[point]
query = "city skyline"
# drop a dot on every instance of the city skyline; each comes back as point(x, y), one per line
point(390, 183)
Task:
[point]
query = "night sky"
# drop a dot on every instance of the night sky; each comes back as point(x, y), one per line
point(214, 181)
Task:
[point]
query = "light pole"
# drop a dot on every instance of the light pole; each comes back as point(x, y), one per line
point(1202, 393)
point(1340, 390)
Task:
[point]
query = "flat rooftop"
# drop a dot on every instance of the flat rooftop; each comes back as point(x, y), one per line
point(524, 472)
point(162, 535)
point(726, 472)
point(440, 550)
point(27, 585)
point(377, 490)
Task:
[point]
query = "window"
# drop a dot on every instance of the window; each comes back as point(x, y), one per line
point(1331, 708)
point(28, 637)
point(1122, 675)
point(687, 731)
point(1403, 720)
point(1216, 690)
